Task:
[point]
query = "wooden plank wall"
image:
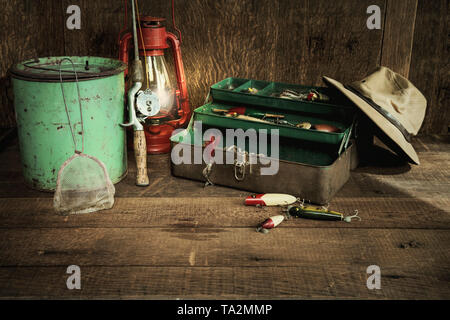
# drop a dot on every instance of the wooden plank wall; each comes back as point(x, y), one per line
point(430, 64)
point(28, 29)
point(289, 41)
point(398, 35)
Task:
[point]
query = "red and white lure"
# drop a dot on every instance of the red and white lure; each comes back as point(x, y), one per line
point(270, 223)
point(270, 199)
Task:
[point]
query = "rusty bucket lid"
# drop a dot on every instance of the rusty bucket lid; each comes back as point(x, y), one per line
point(47, 69)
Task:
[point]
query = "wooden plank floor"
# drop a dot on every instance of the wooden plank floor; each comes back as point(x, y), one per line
point(176, 239)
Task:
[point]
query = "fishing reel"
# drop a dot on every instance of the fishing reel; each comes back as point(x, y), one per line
point(147, 104)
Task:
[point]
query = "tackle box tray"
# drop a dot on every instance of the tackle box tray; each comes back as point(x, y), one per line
point(267, 94)
point(305, 169)
point(343, 122)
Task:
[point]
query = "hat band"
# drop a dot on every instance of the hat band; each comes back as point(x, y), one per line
point(383, 112)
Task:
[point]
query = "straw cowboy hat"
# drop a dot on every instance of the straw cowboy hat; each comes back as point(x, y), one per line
point(392, 102)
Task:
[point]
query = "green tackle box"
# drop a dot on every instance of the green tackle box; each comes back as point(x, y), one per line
point(312, 164)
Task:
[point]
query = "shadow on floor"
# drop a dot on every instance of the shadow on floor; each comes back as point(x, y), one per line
point(380, 157)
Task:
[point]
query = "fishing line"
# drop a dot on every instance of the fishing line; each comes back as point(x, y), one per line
point(143, 45)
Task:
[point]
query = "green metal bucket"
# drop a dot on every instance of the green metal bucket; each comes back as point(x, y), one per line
point(44, 134)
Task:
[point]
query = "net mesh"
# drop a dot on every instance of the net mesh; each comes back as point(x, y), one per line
point(83, 186)
point(83, 183)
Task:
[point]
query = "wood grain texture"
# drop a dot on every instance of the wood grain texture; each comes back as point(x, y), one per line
point(220, 212)
point(318, 38)
point(101, 22)
point(398, 35)
point(173, 246)
point(223, 39)
point(179, 240)
point(346, 281)
point(26, 34)
point(430, 64)
point(222, 263)
point(290, 41)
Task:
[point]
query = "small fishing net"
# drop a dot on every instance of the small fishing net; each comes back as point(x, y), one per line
point(83, 183)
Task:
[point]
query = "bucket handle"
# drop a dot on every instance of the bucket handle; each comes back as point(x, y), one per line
point(79, 103)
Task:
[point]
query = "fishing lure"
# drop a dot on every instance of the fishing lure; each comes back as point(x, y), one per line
point(266, 115)
point(311, 95)
point(326, 128)
point(236, 111)
point(315, 95)
point(270, 223)
point(270, 199)
point(303, 125)
point(318, 214)
point(283, 122)
point(250, 90)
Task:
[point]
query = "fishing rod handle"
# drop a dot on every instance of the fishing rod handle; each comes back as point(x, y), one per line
point(140, 153)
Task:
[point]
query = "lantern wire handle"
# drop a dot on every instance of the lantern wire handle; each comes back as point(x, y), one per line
point(125, 23)
point(173, 21)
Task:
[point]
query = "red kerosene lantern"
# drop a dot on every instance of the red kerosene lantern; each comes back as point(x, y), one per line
point(165, 107)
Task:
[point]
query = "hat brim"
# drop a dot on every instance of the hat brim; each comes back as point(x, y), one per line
point(385, 125)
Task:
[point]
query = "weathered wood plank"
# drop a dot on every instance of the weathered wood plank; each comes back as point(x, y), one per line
point(430, 67)
point(219, 212)
point(317, 38)
point(344, 281)
point(398, 35)
point(432, 143)
point(291, 41)
point(101, 22)
point(25, 34)
point(208, 247)
point(360, 185)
